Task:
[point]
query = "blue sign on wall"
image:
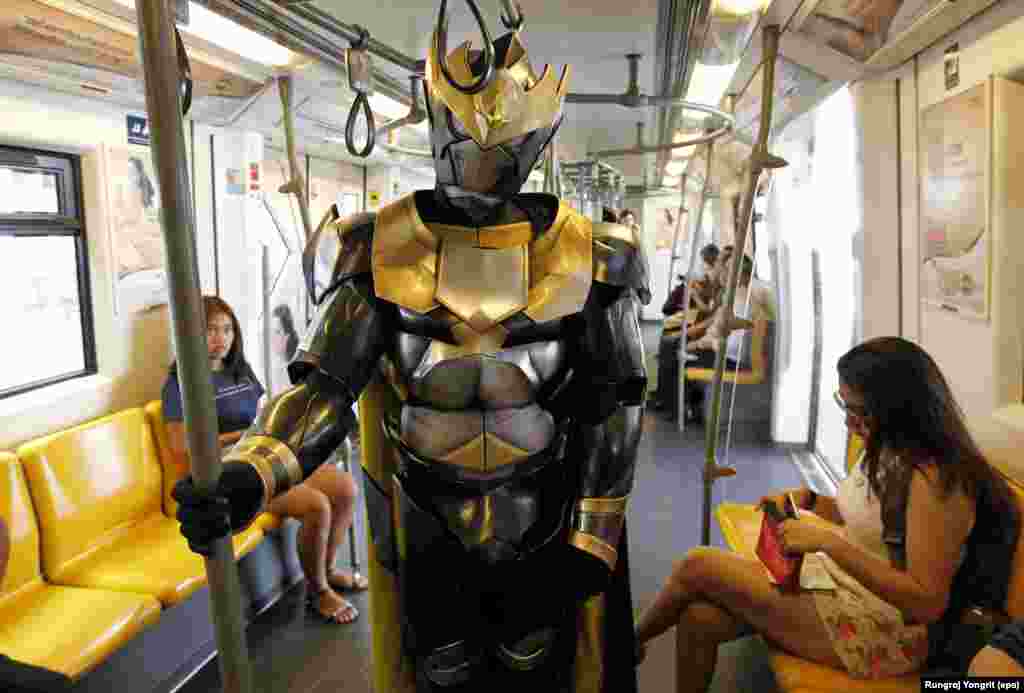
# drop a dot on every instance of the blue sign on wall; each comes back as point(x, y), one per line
point(138, 130)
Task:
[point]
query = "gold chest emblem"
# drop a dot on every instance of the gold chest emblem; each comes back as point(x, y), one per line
point(482, 286)
point(481, 276)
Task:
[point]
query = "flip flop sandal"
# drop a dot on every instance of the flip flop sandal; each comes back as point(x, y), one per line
point(313, 603)
point(354, 582)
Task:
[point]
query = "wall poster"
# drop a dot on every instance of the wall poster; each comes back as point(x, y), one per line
point(136, 240)
point(955, 236)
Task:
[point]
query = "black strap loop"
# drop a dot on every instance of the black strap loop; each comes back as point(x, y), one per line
point(441, 48)
point(185, 70)
point(363, 41)
point(513, 21)
point(350, 127)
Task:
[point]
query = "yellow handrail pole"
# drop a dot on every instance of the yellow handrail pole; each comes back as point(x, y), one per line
point(163, 104)
point(760, 160)
point(297, 184)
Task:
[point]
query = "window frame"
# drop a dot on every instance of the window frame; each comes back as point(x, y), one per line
point(68, 223)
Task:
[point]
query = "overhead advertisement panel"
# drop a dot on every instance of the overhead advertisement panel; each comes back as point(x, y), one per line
point(37, 30)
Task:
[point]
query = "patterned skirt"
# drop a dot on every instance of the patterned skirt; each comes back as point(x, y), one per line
point(869, 635)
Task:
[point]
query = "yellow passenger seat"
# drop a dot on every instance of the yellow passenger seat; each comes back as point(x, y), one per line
point(65, 629)
point(173, 472)
point(759, 361)
point(97, 490)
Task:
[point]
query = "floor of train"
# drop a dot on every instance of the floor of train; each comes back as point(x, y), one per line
point(292, 652)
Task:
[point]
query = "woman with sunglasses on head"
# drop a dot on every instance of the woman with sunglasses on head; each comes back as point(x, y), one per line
point(921, 529)
point(324, 503)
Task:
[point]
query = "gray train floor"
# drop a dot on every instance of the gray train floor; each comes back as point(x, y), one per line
point(293, 652)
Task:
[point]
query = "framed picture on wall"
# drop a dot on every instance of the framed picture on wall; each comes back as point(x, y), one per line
point(955, 232)
point(136, 237)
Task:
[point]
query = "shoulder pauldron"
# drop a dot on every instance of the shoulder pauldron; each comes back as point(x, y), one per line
point(339, 249)
point(486, 275)
point(619, 259)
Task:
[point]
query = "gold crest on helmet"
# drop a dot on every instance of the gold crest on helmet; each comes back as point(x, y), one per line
point(514, 103)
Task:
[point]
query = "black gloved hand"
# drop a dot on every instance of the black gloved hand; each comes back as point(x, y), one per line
point(204, 518)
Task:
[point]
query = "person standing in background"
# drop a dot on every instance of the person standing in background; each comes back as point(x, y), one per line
point(284, 340)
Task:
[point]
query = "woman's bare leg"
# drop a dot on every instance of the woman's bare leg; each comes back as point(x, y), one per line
point(740, 590)
point(340, 490)
point(701, 629)
point(311, 507)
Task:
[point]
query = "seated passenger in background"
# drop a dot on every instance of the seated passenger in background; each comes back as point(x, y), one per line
point(323, 503)
point(751, 304)
point(19, 677)
point(705, 289)
point(703, 294)
point(921, 528)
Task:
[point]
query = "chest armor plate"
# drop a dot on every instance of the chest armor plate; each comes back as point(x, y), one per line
point(470, 388)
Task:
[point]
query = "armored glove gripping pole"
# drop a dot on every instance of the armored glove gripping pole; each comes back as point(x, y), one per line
point(158, 48)
point(760, 160)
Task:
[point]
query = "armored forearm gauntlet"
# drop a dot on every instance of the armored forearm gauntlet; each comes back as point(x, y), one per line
point(294, 434)
point(597, 526)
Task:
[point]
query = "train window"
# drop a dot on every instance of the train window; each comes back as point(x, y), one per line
point(43, 272)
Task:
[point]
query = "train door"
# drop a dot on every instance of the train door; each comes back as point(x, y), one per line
point(815, 216)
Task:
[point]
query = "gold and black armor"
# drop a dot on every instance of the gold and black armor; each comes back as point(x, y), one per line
point(493, 342)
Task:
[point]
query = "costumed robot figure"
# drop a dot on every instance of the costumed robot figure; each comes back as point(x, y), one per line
point(492, 339)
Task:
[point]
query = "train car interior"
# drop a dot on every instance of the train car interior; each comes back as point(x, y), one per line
point(766, 190)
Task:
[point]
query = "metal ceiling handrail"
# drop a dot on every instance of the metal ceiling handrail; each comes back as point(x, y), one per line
point(416, 115)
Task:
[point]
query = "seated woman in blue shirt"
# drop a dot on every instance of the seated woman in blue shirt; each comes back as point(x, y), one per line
point(323, 503)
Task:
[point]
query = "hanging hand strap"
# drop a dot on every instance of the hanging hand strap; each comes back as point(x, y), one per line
point(360, 80)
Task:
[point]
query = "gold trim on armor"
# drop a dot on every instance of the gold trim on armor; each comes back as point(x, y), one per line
point(404, 257)
point(496, 237)
point(595, 547)
point(470, 342)
point(590, 646)
point(603, 230)
point(485, 453)
point(603, 253)
point(514, 103)
point(561, 267)
point(602, 505)
point(275, 451)
point(266, 474)
point(483, 286)
point(472, 521)
point(606, 527)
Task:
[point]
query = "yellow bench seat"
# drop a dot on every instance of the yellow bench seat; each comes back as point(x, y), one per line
point(63, 629)
point(151, 557)
point(98, 495)
point(741, 525)
point(69, 629)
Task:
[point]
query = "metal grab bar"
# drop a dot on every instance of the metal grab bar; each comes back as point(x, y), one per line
point(163, 104)
point(760, 160)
